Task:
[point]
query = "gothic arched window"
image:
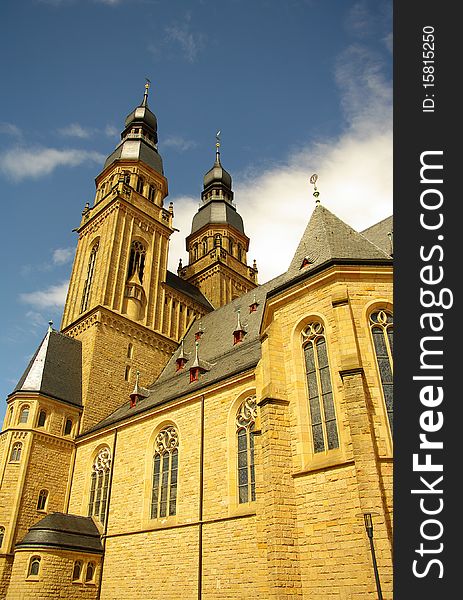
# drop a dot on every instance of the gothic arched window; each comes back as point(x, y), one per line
point(137, 260)
point(42, 500)
point(90, 572)
point(16, 452)
point(68, 427)
point(230, 246)
point(140, 184)
point(99, 485)
point(381, 325)
point(322, 413)
point(88, 281)
point(217, 240)
point(245, 421)
point(77, 570)
point(204, 243)
point(195, 252)
point(2, 535)
point(165, 472)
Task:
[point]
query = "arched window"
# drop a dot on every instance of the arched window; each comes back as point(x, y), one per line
point(90, 572)
point(165, 470)
point(151, 193)
point(195, 252)
point(99, 485)
point(42, 500)
point(230, 246)
point(240, 252)
point(381, 325)
point(140, 184)
point(2, 535)
point(245, 421)
point(24, 414)
point(322, 413)
point(9, 416)
point(34, 566)
point(42, 418)
point(77, 570)
point(68, 427)
point(130, 350)
point(217, 240)
point(88, 281)
point(136, 260)
point(16, 452)
point(204, 244)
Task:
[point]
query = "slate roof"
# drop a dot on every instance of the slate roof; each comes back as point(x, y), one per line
point(187, 288)
point(378, 234)
point(55, 369)
point(136, 149)
point(217, 211)
point(66, 532)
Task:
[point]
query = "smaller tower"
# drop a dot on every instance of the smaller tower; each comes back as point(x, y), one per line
point(217, 244)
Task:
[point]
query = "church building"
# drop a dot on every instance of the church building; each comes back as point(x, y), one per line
point(199, 435)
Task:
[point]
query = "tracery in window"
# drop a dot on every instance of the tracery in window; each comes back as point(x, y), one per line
point(321, 403)
point(165, 473)
point(88, 281)
point(381, 325)
point(99, 485)
point(16, 452)
point(24, 414)
point(137, 260)
point(42, 500)
point(245, 422)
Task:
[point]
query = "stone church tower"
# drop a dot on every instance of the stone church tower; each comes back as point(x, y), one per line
point(217, 244)
point(196, 435)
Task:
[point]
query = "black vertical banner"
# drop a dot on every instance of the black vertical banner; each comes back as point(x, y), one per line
point(428, 235)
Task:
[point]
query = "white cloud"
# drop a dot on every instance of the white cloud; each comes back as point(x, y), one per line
point(179, 143)
point(51, 297)
point(61, 256)
point(76, 130)
point(179, 38)
point(355, 174)
point(10, 129)
point(111, 131)
point(21, 163)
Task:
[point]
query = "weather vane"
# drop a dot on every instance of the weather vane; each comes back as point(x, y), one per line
point(147, 87)
point(313, 181)
point(217, 139)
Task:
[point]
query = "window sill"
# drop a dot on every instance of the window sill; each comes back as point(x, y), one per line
point(327, 461)
point(244, 509)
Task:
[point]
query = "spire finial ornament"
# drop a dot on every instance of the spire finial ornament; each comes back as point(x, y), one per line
point(50, 325)
point(145, 95)
point(217, 146)
point(316, 193)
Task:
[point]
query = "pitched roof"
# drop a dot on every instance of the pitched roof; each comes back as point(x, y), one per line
point(63, 531)
point(187, 288)
point(378, 234)
point(55, 369)
point(327, 239)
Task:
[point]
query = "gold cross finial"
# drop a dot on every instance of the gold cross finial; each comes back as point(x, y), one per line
point(147, 87)
point(313, 181)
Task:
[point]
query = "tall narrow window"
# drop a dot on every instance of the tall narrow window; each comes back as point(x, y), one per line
point(322, 413)
point(217, 240)
point(99, 485)
point(137, 260)
point(34, 566)
point(204, 244)
point(24, 414)
point(245, 421)
point(42, 500)
point(77, 570)
point(151, 193)
point(140, 184)
point(16, 452)
point(68, 427)
point(42, 418)
point(381, 325)
point(88, 281)
point(90, 572)
point(2, 535)
point(165, 474)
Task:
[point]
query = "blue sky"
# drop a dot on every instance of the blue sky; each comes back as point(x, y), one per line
point(295, 87)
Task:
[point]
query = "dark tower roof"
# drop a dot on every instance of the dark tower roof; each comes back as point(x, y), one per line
point(65, 532)
point(55, 369)
point(217, 199)
point(139, 138)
